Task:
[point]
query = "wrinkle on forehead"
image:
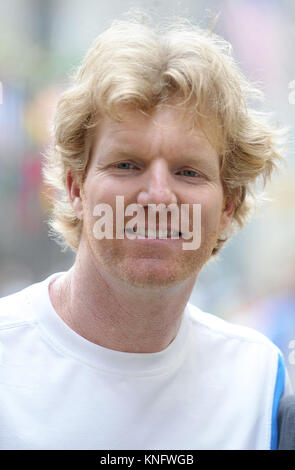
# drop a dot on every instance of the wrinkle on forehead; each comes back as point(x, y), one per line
point(204, 123)
point(153, 127)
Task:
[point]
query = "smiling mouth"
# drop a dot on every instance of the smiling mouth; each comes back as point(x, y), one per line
point(154, 234)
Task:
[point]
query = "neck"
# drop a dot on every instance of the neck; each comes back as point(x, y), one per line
point(115, 315)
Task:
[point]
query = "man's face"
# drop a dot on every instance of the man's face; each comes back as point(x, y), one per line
point(152, 160)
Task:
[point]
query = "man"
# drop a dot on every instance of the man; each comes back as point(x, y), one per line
point(110, 355)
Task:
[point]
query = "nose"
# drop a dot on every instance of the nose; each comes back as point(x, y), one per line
point(156, 188)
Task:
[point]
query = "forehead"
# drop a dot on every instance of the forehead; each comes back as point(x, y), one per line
point(166, 130)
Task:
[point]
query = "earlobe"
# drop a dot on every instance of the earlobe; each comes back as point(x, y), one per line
point(74, 193)
point(229, 207)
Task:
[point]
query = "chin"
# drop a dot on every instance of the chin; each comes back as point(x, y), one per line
point(147, 269)
point(152, 274)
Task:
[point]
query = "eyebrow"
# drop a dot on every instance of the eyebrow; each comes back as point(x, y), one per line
point(125, 153)
point(122, 153)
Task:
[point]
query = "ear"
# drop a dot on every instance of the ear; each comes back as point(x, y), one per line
point(228, 210)
point(74, 193)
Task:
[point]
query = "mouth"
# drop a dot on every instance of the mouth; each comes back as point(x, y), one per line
point(160, 234)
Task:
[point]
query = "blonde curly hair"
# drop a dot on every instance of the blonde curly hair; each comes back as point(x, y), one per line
point(137, 64)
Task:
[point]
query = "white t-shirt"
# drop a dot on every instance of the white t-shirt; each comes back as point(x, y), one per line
point(216, 386)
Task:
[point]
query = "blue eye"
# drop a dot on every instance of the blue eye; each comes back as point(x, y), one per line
point(190, 173)
point(124, 166)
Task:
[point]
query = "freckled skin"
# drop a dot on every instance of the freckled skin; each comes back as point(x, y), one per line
point(161, 143)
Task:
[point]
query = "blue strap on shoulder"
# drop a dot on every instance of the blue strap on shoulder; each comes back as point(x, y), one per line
point(278, 392)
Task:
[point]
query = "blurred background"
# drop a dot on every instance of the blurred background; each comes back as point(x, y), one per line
point(41, 42)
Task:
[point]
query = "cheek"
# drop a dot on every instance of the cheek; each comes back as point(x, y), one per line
point(105, 190)
point(211, 209)
point(95, 191)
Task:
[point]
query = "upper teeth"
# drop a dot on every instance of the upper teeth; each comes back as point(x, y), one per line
point(153, 233)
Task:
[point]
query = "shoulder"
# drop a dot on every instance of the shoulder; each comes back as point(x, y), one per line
point(21, 308)
point(15, 309)
point(242, 352)
point(217, 327)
